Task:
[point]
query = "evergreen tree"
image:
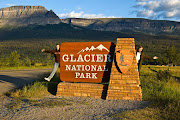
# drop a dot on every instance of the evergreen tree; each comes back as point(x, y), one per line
point(171, 57)
point(27, 61)
point(48, 60)
point(14, 59)
point(4, 61)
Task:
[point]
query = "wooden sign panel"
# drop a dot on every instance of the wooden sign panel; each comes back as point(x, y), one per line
point(124, 59)
point(86, 61)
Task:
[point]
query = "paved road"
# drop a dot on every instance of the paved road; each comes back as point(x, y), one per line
point(11, 79)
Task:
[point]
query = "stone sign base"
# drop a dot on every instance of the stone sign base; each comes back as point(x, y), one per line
point(82, 90)
point(125, 85)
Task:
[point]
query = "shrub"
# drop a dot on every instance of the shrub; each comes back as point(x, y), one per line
point(49, 60)
point(164, 75)
point(4, 61)
point(14, 59)
point(35, 90)
point(27, 62)
point(33, 63)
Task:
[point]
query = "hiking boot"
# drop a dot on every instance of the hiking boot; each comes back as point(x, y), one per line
point(47, 79)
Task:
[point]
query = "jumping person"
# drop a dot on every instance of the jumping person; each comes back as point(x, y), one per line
point(140, 56)
point(56, 53)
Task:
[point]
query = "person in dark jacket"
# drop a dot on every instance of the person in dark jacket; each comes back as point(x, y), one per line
point(140, 56)
point(56, 53)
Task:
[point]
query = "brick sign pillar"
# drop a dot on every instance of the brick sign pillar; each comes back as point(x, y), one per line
point(125, 85)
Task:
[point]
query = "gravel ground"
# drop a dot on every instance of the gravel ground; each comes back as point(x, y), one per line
point(52, 107)
point(68, 108)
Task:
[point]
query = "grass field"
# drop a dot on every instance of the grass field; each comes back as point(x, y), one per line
point(37, 66)
point(164, 96)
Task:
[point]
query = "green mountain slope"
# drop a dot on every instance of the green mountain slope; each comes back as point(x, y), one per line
point(60, 30)
point(29, 40)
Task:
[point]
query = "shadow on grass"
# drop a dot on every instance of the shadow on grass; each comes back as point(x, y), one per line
point(174, 77)
point(153, 70)
point(52, 85)
point(52, 88)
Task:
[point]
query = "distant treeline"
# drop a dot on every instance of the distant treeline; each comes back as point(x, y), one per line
point(29, 40)
point(17, 60)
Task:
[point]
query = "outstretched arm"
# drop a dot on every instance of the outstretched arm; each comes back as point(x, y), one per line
point(48, 51)
point(149, 58)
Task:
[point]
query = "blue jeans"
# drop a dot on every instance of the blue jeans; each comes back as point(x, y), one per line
point(56, 65)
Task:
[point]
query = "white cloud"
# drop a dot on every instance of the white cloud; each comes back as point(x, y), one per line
point(79, 8)
point(152, 5)
point(10, 4)
point(139, 4)
point(172, 13)
point(113, 17)
point(93, 16)
point(145, 13)
point(158, 8)
point(81, 14)
point(71, 15)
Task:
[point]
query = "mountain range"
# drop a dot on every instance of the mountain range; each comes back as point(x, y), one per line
point(25, 15)
point(39, 15)
point(126, 25)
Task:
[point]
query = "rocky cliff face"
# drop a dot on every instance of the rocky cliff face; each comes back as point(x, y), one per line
point(24, 15)
point(126, 24)
point(79, 21)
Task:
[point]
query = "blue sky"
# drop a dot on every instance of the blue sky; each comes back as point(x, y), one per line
point(151, 9)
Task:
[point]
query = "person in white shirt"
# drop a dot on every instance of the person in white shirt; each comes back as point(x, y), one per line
point(140, 56)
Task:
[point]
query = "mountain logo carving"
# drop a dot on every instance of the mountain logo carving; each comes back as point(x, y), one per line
point(92, 48)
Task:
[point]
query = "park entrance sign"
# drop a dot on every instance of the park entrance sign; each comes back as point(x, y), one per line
point(84, 64)
point(86, 61)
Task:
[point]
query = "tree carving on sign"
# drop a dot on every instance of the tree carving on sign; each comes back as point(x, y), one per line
point(124, 60)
